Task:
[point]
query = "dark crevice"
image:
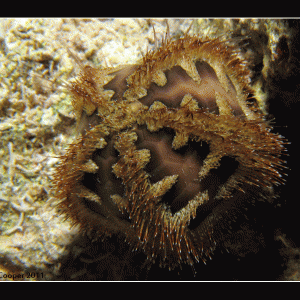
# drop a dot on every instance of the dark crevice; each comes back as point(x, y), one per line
point(212, 183)
point(217, 177)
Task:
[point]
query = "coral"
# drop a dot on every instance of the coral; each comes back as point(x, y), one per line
point(167, 148)
point(37, 123)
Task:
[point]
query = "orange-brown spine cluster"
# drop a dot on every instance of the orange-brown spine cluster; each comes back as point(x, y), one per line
point(138, 167)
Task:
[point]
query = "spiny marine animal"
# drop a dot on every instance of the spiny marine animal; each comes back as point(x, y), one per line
point(167, 147)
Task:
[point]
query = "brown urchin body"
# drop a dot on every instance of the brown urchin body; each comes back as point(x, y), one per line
point(167, 147)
